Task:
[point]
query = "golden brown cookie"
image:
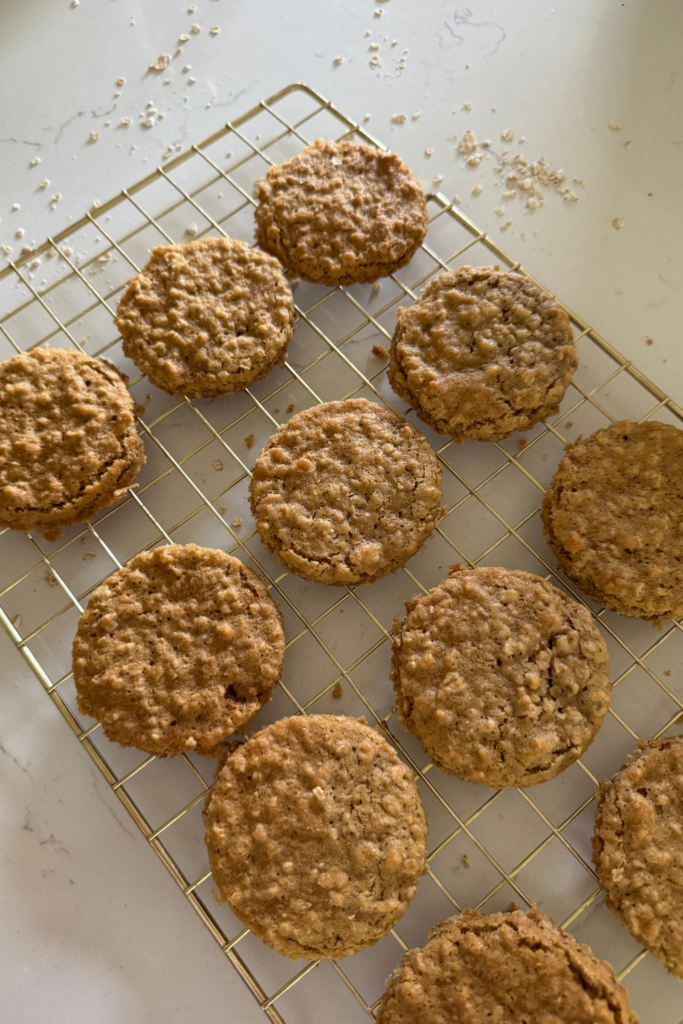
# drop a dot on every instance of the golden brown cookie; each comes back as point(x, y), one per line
point(206, 318)
point(341, 212)
point(513, 968)
point(316, 835)
point(613, 516)
point(482, 353)
point(501, 676)
point(69, 444)
point(638, 848)
point(177, 650)
point(345, 492)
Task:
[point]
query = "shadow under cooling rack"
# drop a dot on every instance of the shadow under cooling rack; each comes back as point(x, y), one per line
point(486, 849)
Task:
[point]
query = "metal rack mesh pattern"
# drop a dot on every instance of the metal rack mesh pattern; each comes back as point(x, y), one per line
point(486, 849)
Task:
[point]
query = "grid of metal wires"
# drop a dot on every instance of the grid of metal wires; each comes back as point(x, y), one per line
point(487, 849)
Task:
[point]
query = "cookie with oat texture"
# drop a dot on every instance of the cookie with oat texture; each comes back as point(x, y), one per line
point(345, 492)
point(638, 847)
point(501, 676)
point(69, 444)
point(482, 353)
point(341, 212)
point(207, 318)
point(316, 835)
point(613, 516)
point(177, 650)
point(512, 968)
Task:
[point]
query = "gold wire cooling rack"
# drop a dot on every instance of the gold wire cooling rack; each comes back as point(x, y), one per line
point(487, 849)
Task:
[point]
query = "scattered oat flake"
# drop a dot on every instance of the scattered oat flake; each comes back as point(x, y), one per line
point(337, 691)
point(16, 206)
point(467, 106)
point(617, 223)
point(89, 554)
point(506, 225)
point(67, 251)
point(125, 120)
point(485, 143)
point(104, 258)
point(376, 287)
point(455, 200)
point(399, 118)
point(627, 144)
point(120, 81)
point(148, 122)
point(36, 263)
point(7, 249)
point(183, 38)
point(380, 351)
point(75, 3)
point(191, 229)
point(379, 12)
point(428, 152)
point(437, 178)
point(339, 59)
point(188, 67)
point(214, 30)
point(394, 42)
point(614, 125)
point(367, 117)
point(507, 134)
point(468, 143)
point(236, 523)
point(19, 233)
point(44, 183)
point(374, 61)
point(577, 181)
point(191, 81)
point(218, 465)
point(475, 159)
point(195, 30)
point(499, 211)
point(374, 46)
point(477, 190)
point(94, 136)
point(36, 160)
point(249, 441)
point(464, 861)
point(416, 114)
point(161, 63)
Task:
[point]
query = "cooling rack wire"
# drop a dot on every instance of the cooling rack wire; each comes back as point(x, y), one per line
point(486, 849)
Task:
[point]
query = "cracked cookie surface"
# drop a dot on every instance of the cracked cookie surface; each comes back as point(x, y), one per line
point(341, 212)
point(638, 848)
point(345, 492)
point(481, 354)
point(316, 835)
point(206, 318)
point(501, 676)
point(511, 968)
point(177, 650)
point(613, 515)
point(69, 444)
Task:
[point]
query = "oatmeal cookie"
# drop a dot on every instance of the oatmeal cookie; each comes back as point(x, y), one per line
point(512, 968)
point(207, 318)
point(501, 676)
point(177, 650)
point(613, 516)
point(341, 212)
point(345, 492)
point(69, 445)
point(481, 354)
point(638, 848)
point(316, 835)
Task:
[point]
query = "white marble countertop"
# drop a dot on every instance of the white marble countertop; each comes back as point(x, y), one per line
point(92, 927)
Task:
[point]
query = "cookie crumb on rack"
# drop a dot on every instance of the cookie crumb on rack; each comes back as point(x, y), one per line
point(650, 341)
point(507, 134)
point(338, 60)
point(399, 118)
point(236, 523)
point(191, 229)
point(416, 114)
point(249, 441)
point(477, 190)
point(618, 223)
point(614, 125)
point(337, 691)
point(464, 861)
point(428, 152)
point(94, 136)
point(380, 351)
point(217, 465)
point(290, 408)
point(214, 30)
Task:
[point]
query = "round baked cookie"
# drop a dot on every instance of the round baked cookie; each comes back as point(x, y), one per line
point(207, 318)
point(341, 212)
point(177, 650)
point(638, 848)
point(501, 676)
point(316, 835)
point(613, 516)
point(512, 968)
point(68, 440)
point(481, 354)
point(345, 492)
